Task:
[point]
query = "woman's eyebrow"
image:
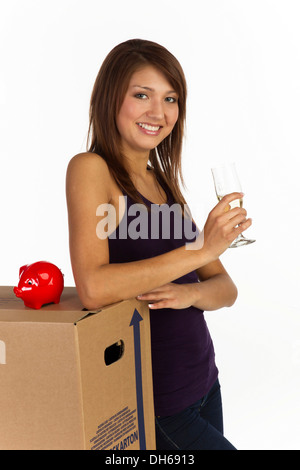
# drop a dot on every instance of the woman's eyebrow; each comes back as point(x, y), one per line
point(152, 89)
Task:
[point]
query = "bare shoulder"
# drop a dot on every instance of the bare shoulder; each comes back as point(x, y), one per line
point(89, 171)
point(88, 162)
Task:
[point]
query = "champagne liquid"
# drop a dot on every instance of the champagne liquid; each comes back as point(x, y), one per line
point(233, 204)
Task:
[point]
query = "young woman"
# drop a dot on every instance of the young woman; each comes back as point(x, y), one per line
point(137, 117)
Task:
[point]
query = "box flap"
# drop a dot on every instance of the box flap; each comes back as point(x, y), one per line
point(69, 309)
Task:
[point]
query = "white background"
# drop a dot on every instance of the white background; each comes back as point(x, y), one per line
point(242, 63)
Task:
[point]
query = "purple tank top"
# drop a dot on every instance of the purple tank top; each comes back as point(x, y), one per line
point(183, 357)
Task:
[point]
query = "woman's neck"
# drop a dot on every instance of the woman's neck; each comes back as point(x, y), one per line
point(137, 166)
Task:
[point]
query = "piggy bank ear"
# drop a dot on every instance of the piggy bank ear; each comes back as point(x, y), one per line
point(43, 278)
point(22, 269)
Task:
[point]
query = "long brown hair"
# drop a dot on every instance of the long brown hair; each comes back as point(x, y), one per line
point(107, 97)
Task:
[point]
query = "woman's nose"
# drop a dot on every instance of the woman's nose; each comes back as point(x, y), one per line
point(156, 110)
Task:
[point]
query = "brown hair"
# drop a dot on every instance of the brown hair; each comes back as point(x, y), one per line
point(107, 97)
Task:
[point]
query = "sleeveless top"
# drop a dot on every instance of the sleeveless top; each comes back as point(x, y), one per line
point(183, 358)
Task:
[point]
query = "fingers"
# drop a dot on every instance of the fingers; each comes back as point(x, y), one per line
point(226, 220)
point(231, 232)
point(157, 300)
point(161, 304)
point(155, 295)
point(163, 297)
point(222, 206)
point(224, 224)
point(234, 216)
point(229, 217)
point(234, 222)
point(242, 227)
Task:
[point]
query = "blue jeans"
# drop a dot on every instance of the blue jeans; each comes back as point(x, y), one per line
point(198, 427)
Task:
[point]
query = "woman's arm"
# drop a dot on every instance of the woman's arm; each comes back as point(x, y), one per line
point(89, 184)
point(216, 290)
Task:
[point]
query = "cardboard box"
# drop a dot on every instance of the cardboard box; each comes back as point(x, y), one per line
point(72, 379)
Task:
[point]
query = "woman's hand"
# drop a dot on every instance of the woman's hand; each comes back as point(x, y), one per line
point(170, 295)
point(223, 225)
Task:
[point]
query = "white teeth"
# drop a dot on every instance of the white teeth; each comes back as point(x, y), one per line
point(148, 128)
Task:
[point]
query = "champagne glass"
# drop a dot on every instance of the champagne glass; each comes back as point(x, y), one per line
point(227, 181)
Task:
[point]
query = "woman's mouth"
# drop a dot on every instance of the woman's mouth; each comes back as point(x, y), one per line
point(149, 129)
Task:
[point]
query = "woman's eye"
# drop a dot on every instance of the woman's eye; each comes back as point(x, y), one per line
point(141, 96)
point(171, 100)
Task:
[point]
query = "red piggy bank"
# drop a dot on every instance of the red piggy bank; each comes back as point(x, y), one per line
point(40, 283)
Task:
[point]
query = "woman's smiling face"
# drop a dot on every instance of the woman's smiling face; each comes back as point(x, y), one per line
point(148, 113)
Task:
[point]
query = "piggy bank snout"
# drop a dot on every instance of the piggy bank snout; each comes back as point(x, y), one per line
point(17, 291)
point(20, 291)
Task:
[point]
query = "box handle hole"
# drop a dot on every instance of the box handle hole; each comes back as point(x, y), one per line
point(114, 352)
